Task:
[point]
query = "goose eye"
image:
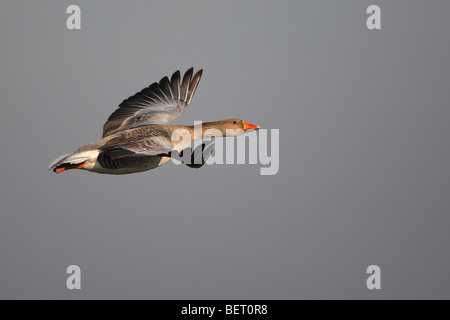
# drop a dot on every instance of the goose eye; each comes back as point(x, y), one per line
point(234, 122)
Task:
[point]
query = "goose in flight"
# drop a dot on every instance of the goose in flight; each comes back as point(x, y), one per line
point(138, 135)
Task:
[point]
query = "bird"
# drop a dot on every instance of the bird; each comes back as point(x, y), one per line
point(138, 135)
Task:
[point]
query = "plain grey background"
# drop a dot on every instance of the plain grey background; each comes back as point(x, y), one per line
point(364, 151)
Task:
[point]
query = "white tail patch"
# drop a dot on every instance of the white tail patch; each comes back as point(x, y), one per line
point(77, 158)
point(58, 161)
point(90, 157)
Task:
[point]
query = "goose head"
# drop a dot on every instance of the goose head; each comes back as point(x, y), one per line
point(239, 124)
point(230, 127)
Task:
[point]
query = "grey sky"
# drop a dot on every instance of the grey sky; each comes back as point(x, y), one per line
point(364, 151)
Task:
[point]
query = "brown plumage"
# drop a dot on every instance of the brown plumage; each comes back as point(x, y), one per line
point(138, 137)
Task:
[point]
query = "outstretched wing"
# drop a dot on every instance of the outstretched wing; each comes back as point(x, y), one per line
point(195, 158)
point(128, 154)
point(160, 103)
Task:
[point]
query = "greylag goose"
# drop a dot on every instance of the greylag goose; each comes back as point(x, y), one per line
point(138, 135)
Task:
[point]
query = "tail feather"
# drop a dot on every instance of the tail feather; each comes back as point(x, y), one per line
point(69, 161)
point(58, 161)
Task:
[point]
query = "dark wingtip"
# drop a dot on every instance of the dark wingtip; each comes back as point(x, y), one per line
point(175, 75)
point(199, 73)
point(188, 75)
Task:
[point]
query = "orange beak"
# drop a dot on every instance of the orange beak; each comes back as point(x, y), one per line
point(249, 126)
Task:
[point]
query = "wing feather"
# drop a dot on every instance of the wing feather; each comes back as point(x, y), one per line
point(124, 154)
point(159, 103)
point(175, 83)
point(185, 85)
